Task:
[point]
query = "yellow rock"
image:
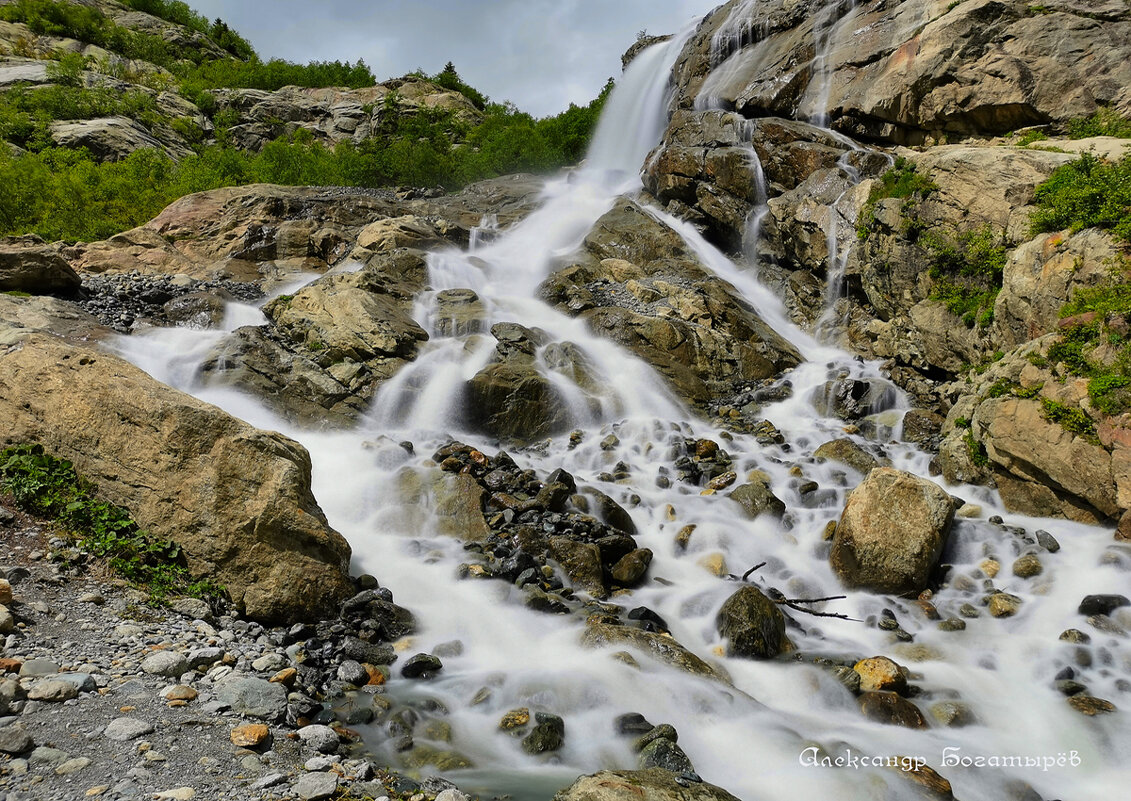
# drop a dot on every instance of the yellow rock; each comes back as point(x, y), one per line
point(881, 673)
point(714, 563)
point(515, 719)
point(250, 735)
point(990, 567)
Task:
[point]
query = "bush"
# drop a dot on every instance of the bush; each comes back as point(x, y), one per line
point(902, 181)
point(967, 272)
point(1104, 122)
point(1087, 193)
point(49, 487)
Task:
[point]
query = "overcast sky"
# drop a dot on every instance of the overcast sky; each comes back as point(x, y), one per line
point(540, 54)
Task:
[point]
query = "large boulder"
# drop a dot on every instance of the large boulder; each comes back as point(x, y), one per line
point(236, 499)
point(635, 281)
point(892, 532)
point(510, 398)
point(28, 264)
point(653, 784)
point(911, 70)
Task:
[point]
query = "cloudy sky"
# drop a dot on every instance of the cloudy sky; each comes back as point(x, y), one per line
point(540, 54)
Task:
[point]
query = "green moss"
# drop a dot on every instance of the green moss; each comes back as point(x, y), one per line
point(1071, 418)
point(1029, 137)
point(49, 487)
point(976, 449)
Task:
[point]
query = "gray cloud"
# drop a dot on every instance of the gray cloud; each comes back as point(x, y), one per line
point(540, 54)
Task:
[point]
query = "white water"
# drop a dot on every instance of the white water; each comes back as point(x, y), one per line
point(747, 739)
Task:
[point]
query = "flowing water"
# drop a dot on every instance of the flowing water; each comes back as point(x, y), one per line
point(750, 737)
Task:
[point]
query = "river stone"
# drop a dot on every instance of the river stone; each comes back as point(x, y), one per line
point(664, 649)
point(1091, 706)
point(847, 452)
point(422, 666)
point(654, 784)
point(320, 738)
point(125, 729)
point(892, 532)
point(1002, 604)
point(752, 625)
point(316, 786)
point(663, 753)
point(548, 734)
point(53, 691)
point(890, 708)
point(630, 569)
point(352, 672)
point(257, 698)
point(1028, 566)
point(14, 739)
point(757, 499)
point(953, 713)
point(34, 668)
point(1099, 604)
point(881, 673)
point(165, 663)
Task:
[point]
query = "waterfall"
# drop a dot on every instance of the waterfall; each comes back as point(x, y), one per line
point(748, 737)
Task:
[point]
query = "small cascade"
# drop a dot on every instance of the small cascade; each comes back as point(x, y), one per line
point(484, 233)
point(827, 34)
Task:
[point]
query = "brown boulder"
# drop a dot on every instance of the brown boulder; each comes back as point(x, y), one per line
point(892, 532)
point(28, 264)
point(236, 499)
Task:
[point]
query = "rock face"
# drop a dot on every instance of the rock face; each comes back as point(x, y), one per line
point(109, 138)
point(892, 532)
point(906, 72)
point(1039, 465)
point(28, 264)
point(636, 282)
point(235, 498)
point(654, 784)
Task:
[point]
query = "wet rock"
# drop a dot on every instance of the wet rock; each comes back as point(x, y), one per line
point(953, 713)
point(853, 399)
point(1102, 604)
point(881, 673)
point(892, 532)
point(515, 721)
point(422, 666)
point(756, 499)
point(752, 625)
point(582, 564)
point(923, 427)
point(1002, 604)
point(510, 398)
point(548, 734)
point(891, 709)
point(664, 649)
point(1028, 566)
point(666, 755)
point(846, 451)
point(1087, 705)
point(630, 569)
point(632, 723)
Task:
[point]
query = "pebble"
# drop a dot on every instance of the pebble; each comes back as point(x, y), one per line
point(176, 794)
point(316, 786)
point(422, 666)
point(1047, 541)
point(250, 736)
point(1002, 604)
point(1101, 604)
point(270, 780)
point(1028, 566)
point(14, 739)
point(72, 766)
point(320, 738)
point(165, 663)
point(124, 729)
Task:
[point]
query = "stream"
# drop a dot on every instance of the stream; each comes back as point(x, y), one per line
point(750, 738)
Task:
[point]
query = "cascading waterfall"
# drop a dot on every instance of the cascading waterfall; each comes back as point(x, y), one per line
point(747, 737)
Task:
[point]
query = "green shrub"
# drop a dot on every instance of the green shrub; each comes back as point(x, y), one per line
point(1087, 193)
point(903, 181)
point(1104, 122)
point(1071, 418)
point(967, 272)
point(49, 487)
point(1029, 137)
